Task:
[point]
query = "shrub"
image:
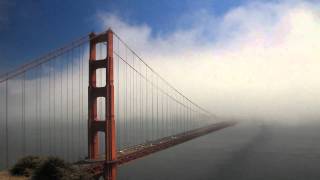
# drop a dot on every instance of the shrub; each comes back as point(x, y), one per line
point(48, 168)
point(52, 168)
point(25, 166)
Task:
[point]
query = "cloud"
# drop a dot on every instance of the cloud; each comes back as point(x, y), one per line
point(257, 61)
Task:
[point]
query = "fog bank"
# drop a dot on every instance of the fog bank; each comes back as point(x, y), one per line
point(257, 61)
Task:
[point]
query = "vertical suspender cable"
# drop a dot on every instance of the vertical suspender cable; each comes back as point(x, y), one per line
point(72, 94)
point(61, 109)
point(49, 107)
point(183, 117)
point(132, 103)
point(157, 124)
point(167, 108)
point(146, 111)
point(129, 135)
point(7, 130)
point(132, 106)
point(37, 101)
point(54, 110)
point(24, 114)
point(162, 116)
point(79, 102)
point(152, 129)
point(67, 108)
point(40, 107)
point(126, 101)
point(186, 115)
point(141, 104)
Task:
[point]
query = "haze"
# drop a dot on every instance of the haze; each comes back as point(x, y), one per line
point(259, 61)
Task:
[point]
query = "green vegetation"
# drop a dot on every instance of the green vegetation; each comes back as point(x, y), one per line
point(48, 168)
point(25, 166)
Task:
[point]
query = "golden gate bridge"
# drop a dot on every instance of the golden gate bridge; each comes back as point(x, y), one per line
point(95, 102)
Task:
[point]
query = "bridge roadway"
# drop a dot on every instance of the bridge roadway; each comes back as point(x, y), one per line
point(127, 155)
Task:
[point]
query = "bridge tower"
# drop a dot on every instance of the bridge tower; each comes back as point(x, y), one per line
point(106, 125)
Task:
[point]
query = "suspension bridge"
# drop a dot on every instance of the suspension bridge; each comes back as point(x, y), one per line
point(95, 102)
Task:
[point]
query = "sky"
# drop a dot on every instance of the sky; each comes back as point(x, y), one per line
point(244, 59)
point(34, 27)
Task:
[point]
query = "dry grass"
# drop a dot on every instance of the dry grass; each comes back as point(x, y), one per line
point(5, 175)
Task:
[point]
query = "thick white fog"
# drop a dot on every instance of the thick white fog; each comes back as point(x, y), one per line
point(257, 61)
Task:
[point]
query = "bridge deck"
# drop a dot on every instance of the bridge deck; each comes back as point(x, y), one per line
point(142, 150)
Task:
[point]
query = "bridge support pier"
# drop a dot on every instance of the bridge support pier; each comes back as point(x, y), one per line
point(106, 125)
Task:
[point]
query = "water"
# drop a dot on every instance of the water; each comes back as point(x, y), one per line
point(246, 151)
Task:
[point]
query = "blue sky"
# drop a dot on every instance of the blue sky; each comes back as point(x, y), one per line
point(30, 28)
